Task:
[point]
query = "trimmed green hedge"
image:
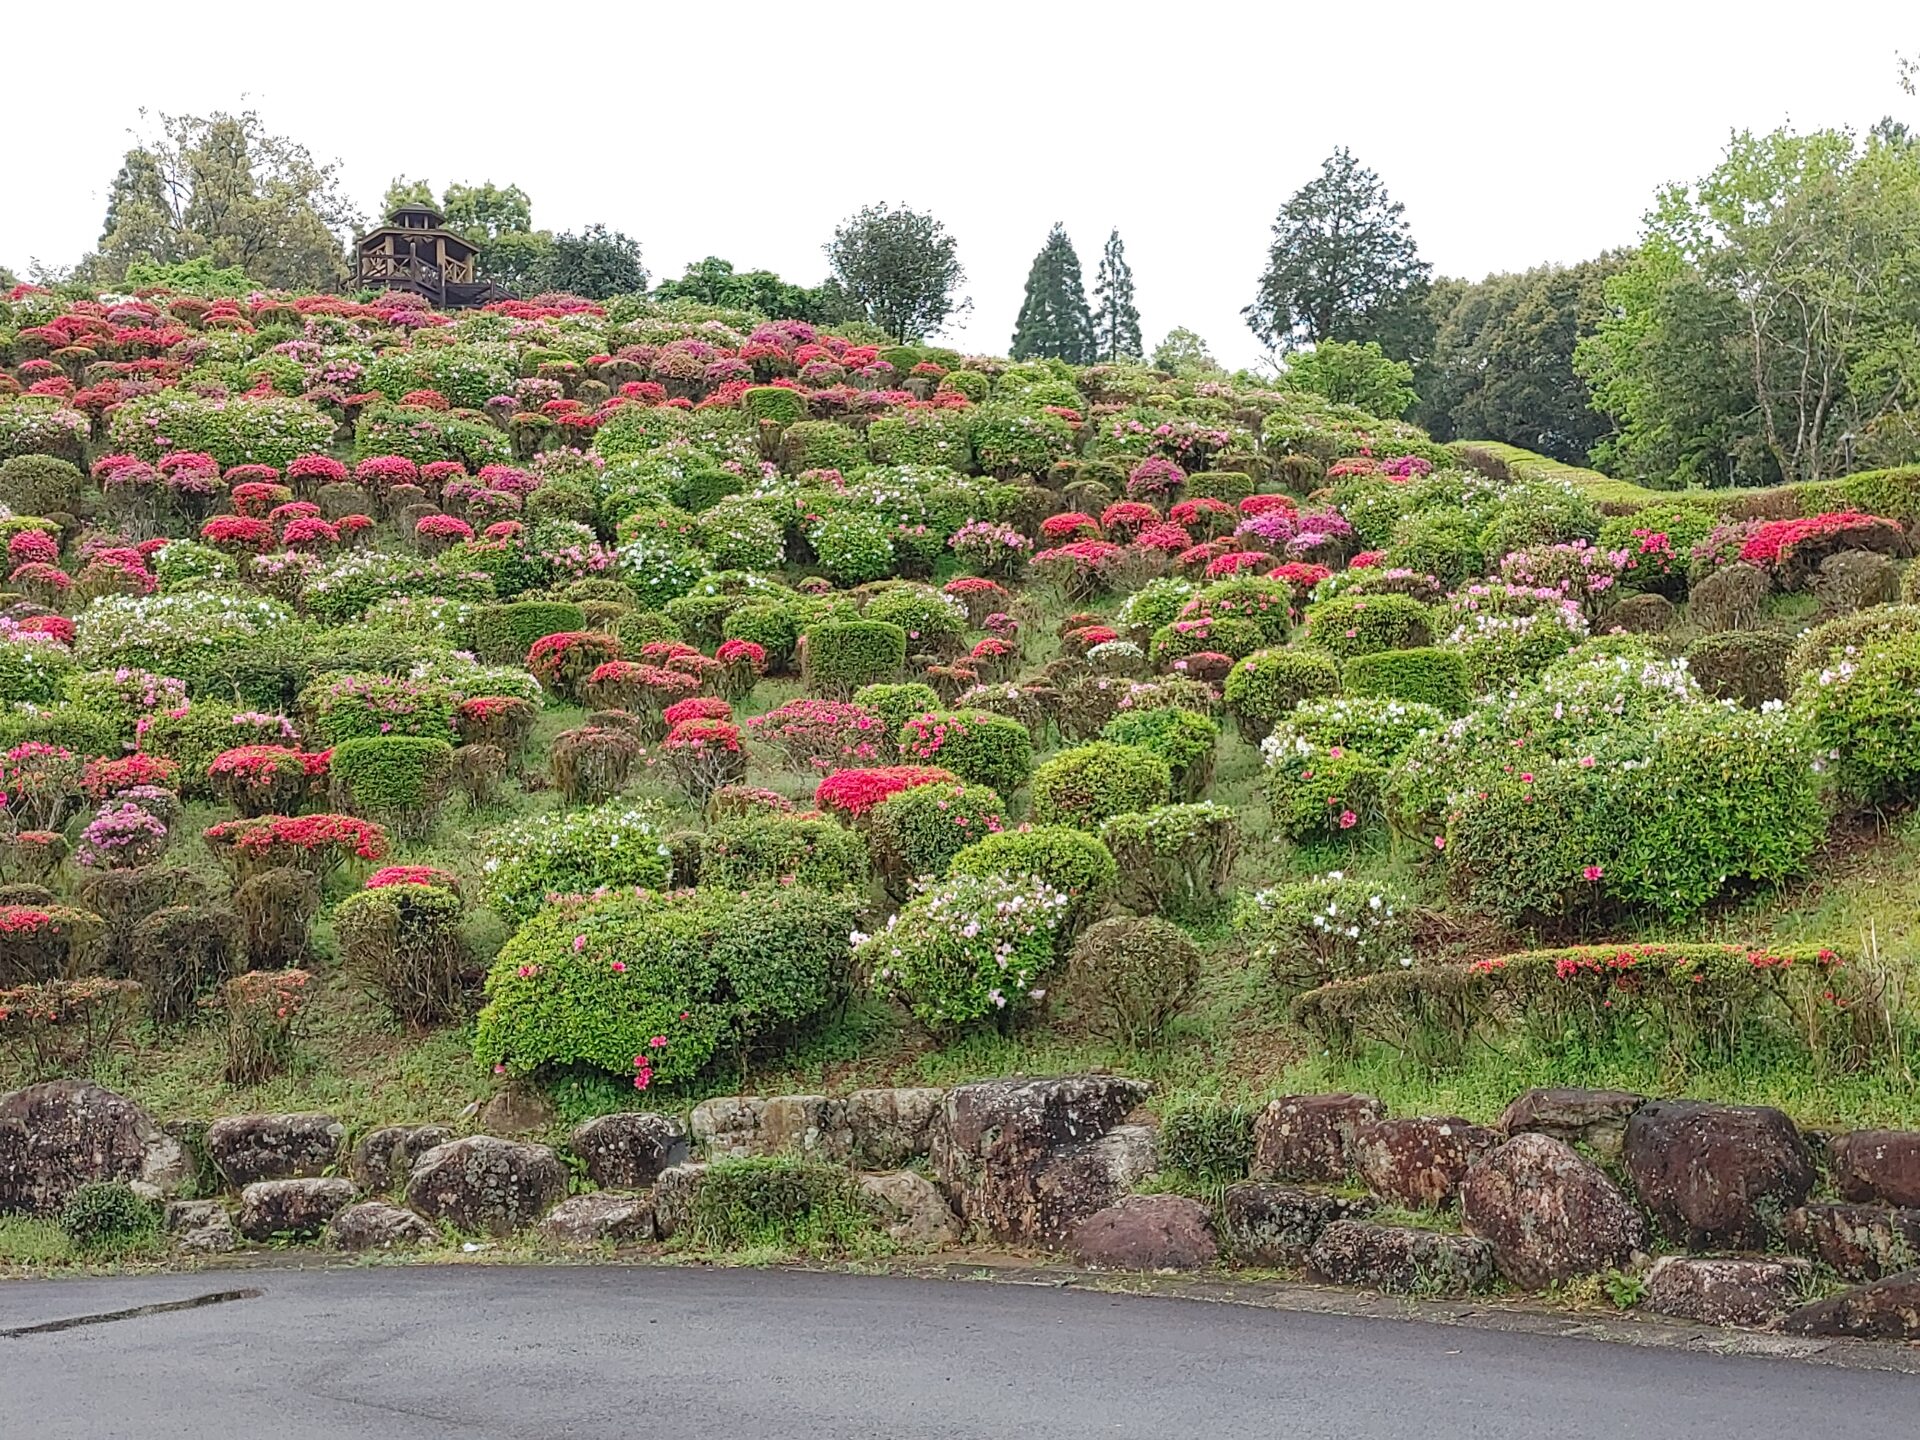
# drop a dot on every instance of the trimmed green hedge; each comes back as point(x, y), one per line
point(1425, 674)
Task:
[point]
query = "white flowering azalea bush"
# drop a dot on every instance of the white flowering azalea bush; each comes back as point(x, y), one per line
point(40, 425)
point(1862, 709)
point(193, 634)
point(1331, 927)
point(574, 852)
point(969, 948)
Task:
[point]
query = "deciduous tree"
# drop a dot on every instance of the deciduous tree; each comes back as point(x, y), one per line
point(901, 268)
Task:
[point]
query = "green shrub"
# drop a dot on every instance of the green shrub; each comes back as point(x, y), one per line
point(1427, 676)
point(109, 1216)
point(33, 672)
point(923, 437)
point(1361, 624)
point(399, 780)
point(843, 655)
point(639, 628)
point(917, 832)
point(1444, 544)
point(1248, 597)
point(1262, 689)
point(970, 948)
point(1156, 603)
point(1748, 667)
point(1008, 441)
point(1228, 485)
point(1134, 975)
point(504, 633)
point(1207, 1142)
point(778, 403)
point(1501, 651)
point(980, 747)
point(1084, 786)
point(403, 942)
point(1308, 932)
point(1183, 739)
point(854, 547)
point(739, 533)
point(1072, 862)
point(822, 445)
point(774, 627)
point(785, 953)
point(1172, 859)
point(754, 850)
point(571, 852)
point(1864, 717)
point(40, 485)
point(933, 621)
point(1224, 636)
point(778, 1202)
point(1845, 636)
point(352, 707)
point(897, 704)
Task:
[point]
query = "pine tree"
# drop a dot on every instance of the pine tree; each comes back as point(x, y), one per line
point(1116, 319)
point(1054, 320)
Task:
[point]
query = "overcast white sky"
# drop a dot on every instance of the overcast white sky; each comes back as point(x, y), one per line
point(1514, 133)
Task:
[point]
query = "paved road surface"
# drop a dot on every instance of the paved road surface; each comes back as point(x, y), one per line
point(488, 1353)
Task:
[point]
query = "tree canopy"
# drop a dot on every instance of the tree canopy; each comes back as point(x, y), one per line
point(1116, 319)
point(1185, 354)
point(714, 281)
point(597, 264)
point(1054, 321)
point(1360, 375)
point(1343, 266)
point(901, 268)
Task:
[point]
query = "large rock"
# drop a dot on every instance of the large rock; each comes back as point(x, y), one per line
point(601, 1218)
point(891, 1127)
point(627, 1151)
point(911, 1209)
point(1310, 1137)
point(1400, 1261)
point(1420, 1163)
point(249, 1148)
point(1595, 1118)
point(383, 1159)
point(1275, 1225)
point(1717, 1176)
point(1877, 1166)
point(1147, 1232)
point(742, 1127)
point(1718, 1291)
point(1027, 1160)
point(486, 1185)
point(1886, 1309)
point(674, 1195)
point(1857, 1242)
point(200, 1227)
point(516, 1112)
point(60, 1135)
point(376, 1225)
point(1549, 1214)
point(291, 1209)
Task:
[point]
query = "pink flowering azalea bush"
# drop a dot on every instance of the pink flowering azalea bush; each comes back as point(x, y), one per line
point(970, 948)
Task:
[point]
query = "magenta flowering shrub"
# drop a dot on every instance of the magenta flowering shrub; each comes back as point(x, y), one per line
point(989, 549)
point(1576, 571)
point(823, 735)
point(120, 836)
point(1156, 480)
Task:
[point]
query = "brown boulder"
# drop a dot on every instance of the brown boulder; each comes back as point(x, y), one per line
point(1596, 1118)
point(1027, 1160)
point(1548, 1213)
point(484, 1184)
point(1877, 1166)
point(1400, 1261)
point(383, 1158)
point(62, 1134)
point(1420, 1163)
point(376, 1225)
point(291, 1209)
point(1886, 1309)
point(250, 1148)
point(891, 1127)
point(1857, 1242)
point(911, 1209)
point(742, 1127)
point(1275, 1225)
point(603, 1217)
point(1717, 1176)
point(1718, 1291)
point(1310, 1137)
point(627, 1151)
point(1147, 1232)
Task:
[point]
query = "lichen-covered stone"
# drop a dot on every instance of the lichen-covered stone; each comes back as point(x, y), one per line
point(485, 1185)
point(673, 1197)
point(911, 1209)
point(1549, 1214)
point(200, 1227)
point(893, 1126)
point(1857, 1242)
point(1877, 1166)
point(1275, 1225)
point(250, 1148)
point(601, 1218)
point(62, 1134)
point(515, 1113)
point(1399, 1260)
point(1887, 1309)
point(1309, 1138)
point(1724, 1291)
point(383, 1159)
point(628, 1150)
point(743, 1127)
point(1717, 1176)
point(1595, 1118)
point(1419, 1163)
point(376, 1225)
point(291, 1209)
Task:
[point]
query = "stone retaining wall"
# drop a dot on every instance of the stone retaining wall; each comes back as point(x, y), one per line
point(1753, 1215)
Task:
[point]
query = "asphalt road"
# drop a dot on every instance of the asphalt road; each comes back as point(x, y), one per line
point(486, 1353)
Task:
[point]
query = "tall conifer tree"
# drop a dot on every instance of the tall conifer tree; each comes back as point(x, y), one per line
point(1054, 320)
point(1116, 319)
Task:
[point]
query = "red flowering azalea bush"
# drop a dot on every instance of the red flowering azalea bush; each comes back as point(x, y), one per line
point(104, 778)
point(238, 533)
point(697, 707)
point(853, 793)
point(740, 664)
point(318, 844)
point(822, 734)
point(702, 757)
point(565, 662)
point(266, 779)
point(1795, 548)
point(1072, 525)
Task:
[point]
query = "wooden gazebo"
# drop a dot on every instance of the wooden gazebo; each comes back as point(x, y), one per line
point(415, 251)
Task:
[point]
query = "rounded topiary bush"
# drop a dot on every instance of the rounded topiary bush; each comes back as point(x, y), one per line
point(572, 852)
point(1350, 625)
point(1226, 635)
point(897, 704)
point(1745, 666)
point(399, 780)
point(504, 633)
point(109, 1216)
point(971, 948)
point(1172, 859)
point(751, 850)
point(1186, 741)
point(403, 942)
point(934, 622)
point(1084, 786)
point(916, 833)
point(1309, 932)
point(1072, 861)
point(1864, 716)
point(592, 763)
point(1132, 975)
point(365, 707)
point(822, 445)
point(980, 747)
point(1427, 675)
point(840, 656)
point(1262, 689)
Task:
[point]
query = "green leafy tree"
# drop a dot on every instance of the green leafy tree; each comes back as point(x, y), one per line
point(1116, 319)
point(198, 276)
point(714, 281)
point(486, 211)
point(1501, 364)
point(516, 259)
point(901, 269)
point(225, 187)
point(7, 278)
point(402, 192)
point(1185, 354)
point(1054, 321)
point(597, 264)
point(1343, 266)
point(1347, 374)
point(1769, 325)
